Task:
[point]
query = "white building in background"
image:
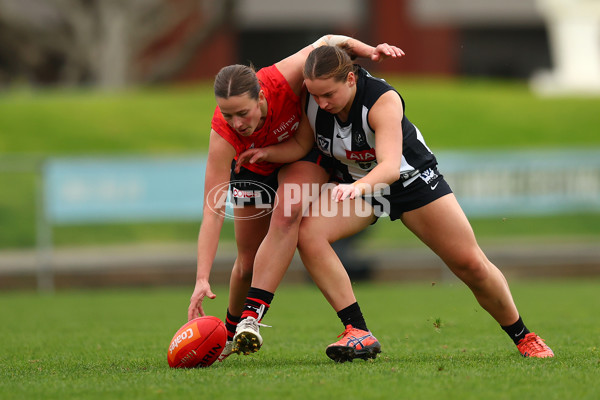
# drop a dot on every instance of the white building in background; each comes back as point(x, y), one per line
point(476, 12)
point(572, 26)
point(574, 35)
point(303, 14)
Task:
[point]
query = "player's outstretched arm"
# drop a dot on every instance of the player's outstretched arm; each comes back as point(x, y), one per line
point(220, 155)
point(291, 67)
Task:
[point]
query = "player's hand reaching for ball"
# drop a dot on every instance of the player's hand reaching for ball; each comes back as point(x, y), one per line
point(201, 291)
point(384, 50)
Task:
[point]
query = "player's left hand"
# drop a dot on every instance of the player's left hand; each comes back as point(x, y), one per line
point(384, 50)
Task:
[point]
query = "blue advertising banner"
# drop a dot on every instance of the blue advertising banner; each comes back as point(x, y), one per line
point(524, 182)
point(486, 183)
point(96, 190)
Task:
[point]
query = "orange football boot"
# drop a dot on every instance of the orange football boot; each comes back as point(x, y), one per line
point(355, 343)
point(533, 346)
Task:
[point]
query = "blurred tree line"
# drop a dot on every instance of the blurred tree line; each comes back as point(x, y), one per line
point(103, 43)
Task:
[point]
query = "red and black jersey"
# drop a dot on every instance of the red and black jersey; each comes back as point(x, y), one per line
point(281, 123)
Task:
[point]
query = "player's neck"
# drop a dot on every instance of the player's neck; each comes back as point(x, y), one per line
point(345, 113)
point(264, 110)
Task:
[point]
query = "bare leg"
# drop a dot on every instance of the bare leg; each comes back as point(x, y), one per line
point(277, 250)
point(249, 233)
point(317, 231)
point(443, 227)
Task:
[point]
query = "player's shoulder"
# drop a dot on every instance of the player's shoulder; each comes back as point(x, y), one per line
point(377, 89)
point(374, 82)
point(276, 87)
point(270, 77)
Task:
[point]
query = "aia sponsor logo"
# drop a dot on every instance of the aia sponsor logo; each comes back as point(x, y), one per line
point(247, 193)
point(361, 155)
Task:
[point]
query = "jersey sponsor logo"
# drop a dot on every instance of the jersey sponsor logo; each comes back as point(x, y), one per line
point(285, 129)
point(286, 135)
point(361, 156)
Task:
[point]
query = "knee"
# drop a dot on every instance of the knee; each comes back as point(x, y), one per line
point(472, 267)
point(286, 218)
point(310, 236)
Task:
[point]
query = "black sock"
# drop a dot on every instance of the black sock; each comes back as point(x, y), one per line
point(254, 301)
point(352, 315)
point(231, 323)
point(516, 331)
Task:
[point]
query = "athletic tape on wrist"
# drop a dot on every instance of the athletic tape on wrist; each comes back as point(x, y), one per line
point(330, 40)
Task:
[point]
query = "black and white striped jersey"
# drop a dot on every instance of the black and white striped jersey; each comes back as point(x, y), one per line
point(352, 143)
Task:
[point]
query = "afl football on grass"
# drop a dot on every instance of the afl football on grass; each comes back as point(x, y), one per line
point(198, 343)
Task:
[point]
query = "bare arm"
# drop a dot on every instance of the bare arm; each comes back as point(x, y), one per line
point(286, 152)
point(289, 151)
point(218, 166)
point(386, 119)
point(291, 67)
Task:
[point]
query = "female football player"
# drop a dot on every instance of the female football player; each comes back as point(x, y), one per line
point(382, 165)
point(255, 110)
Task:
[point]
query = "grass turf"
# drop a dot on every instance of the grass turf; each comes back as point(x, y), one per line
point(437, 343)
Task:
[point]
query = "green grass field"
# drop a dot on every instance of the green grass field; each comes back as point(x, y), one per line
point(112, 344)
point(452, 114)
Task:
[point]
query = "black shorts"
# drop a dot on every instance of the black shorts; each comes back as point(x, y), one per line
point(248, 188)
point(419, 191)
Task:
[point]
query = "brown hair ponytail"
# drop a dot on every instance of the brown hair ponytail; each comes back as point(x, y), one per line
point(328, 62)
point(236, 80)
